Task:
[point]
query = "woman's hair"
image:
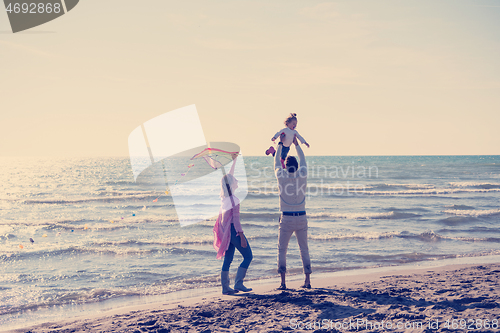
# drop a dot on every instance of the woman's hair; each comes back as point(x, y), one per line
point(291, 164)
point(291, 117)
point(226, 183)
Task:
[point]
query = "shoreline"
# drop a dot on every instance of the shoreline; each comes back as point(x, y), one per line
point(324, 285)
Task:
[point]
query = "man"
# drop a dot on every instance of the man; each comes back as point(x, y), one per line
point(292, 185)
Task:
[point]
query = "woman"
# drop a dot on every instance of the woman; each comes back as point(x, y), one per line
point(228, 235)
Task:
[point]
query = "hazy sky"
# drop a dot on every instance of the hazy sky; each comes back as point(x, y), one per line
point(365, 77)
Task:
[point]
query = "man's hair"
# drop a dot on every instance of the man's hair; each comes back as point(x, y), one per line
point(291, 164)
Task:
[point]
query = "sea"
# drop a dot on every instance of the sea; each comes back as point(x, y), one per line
point(79, 232)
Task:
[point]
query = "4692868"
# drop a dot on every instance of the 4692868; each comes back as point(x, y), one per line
point(471, 324)
point(34, 8)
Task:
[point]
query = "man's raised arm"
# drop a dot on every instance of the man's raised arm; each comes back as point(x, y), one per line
point(277, 159)
point(302, 158)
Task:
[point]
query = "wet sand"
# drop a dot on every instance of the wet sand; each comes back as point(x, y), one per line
point(449, 298)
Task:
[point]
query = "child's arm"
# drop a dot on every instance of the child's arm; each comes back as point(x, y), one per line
point(277, 135)
point(302, 162)
point(302, 139)
point(234, 156)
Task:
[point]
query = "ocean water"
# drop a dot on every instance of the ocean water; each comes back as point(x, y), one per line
point(81, 231)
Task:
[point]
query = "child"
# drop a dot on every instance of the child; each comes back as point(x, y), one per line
point(290, 132)
point(228, 235)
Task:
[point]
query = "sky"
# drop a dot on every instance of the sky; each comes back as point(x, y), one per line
point(364, 77)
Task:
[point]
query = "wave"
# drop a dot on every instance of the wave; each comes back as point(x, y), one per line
point(478, 239)
point(261, 194)
point(120, 182)
point(412, 209)
point(108, 198)
point(427, 236)
point(363, 236)
point(473, 212)
point(431, 236)
point(440, 191)
point(173, 241)
point(352, 190)
point(50, 223)
point(119, 222)
point(476, 185)
point(365, 216)
point(408, 186)
point(353, 216)
point(471, 230)
point(160, 286)
point(404, 258)
point(105, 196)
point(264, 216)
point(70, 297)
point(125, 249)
point(457, 220)
point(119, 193)
point(90, 227)
point(460, 207)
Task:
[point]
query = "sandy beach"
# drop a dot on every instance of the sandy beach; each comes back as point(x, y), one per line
point(441, 299)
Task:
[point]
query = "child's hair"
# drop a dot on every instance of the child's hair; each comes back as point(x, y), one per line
point(291, 117)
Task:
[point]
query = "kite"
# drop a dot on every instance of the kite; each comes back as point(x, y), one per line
point(212, 156)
